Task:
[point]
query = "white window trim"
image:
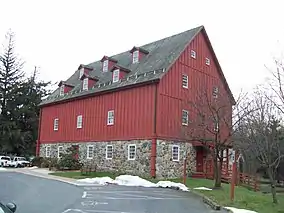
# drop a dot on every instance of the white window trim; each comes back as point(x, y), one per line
point(185, 124)
point(88, 152)
point(115, 76)
point(192, 54)
point(128, 156)
point(184, 76)
point(107, 152)
point(79, 121)
point(58, 152)
point(55, 126)
point(47, 150)
point(105, 65)
point(207, 61)
point(85, 84)
point(81, 72)
point(135, 57)
point(61, 90)
point(174, 146)
point(109, 117)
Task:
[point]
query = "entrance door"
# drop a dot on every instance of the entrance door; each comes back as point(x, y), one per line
point(199, 159)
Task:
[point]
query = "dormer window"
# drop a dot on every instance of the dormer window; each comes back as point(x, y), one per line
point(61, 90)
point(81, 72)
point(135, 57)
point(105, 66)
point(115, 76)
point(85, 84)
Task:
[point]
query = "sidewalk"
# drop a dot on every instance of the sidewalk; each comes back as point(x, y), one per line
point(44, 173)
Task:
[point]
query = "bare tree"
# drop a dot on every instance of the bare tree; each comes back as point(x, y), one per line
point(261, 133)
point(214, 119)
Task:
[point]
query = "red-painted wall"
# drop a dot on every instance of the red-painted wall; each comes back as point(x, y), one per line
point(133, 109)
point(173, 97)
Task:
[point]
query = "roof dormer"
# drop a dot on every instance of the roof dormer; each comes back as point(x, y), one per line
point(64, 87)
point(84, 69)
point(88, 81)
point(118, 72)
point(107, 63)
point(137, 54)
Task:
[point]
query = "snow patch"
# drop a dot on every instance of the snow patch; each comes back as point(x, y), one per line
point(235, 210)
point(203, 188)
point(3, 169)
point(130, 180)
point(34, 167)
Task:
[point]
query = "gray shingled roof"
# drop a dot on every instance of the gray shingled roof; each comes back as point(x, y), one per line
point(161, 55)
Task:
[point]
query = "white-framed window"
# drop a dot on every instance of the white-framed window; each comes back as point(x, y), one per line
point(135, 57)
point(59, 151)
point(175, 152)
point(47, 151)
point(215, 92)
point(207, 61)
point(185, 118)
point(115, 76)
point(81, 72)
point(110, 117)
point(105, 66)
point(184, 81)
point(55, 124)
point(90, 151)
point(193, 54)
point(131, 151)
point(61, 90)
point(85, 84)
point(109, 151)
point(79, 121)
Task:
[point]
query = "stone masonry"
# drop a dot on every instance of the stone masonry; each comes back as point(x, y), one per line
point(165, 167)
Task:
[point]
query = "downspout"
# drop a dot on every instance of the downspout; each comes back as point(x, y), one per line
point(38, 134)
point(154, 139)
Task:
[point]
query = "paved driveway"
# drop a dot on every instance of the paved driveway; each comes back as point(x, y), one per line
point(39, 195)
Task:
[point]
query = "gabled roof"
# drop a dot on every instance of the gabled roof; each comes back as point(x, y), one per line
point(162, 54)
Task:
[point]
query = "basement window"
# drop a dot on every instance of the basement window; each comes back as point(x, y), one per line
point(193, 54)
point(175, 153)
point(90, 152)
point(131, 152)
point(47, 151)
point(55, 124)
point(135, 57)
point(79, 121)
point(110, 117)
point(109, 151)
point(184, 117)
point(59, 151)
point(185, 81)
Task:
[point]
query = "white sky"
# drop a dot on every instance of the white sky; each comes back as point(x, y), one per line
point(59, 35)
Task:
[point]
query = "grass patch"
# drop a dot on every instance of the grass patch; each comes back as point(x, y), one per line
point(78, 175)
point(244, 198)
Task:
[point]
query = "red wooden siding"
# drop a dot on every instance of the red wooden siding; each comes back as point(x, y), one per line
point(173, 97)
point(133, 119)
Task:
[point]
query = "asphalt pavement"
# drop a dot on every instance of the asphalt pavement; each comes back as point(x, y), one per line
point(38, 195)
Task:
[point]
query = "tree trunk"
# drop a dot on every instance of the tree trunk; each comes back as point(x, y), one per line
point(217, 173)
point(273, 184)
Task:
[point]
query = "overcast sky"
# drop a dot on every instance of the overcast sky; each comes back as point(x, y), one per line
point(59, 35)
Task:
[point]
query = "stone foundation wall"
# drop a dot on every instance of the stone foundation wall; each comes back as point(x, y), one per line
point(165, 166)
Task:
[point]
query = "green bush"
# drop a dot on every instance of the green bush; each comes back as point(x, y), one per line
point(37, 161)
point(69, 161)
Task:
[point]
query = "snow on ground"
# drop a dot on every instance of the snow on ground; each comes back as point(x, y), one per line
point(235, 210)
point(130, 180)
point(3, 169)
point(203, 188)
point(34, 167)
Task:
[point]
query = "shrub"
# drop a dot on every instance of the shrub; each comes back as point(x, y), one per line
point(69, 161)
point(37, 161)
